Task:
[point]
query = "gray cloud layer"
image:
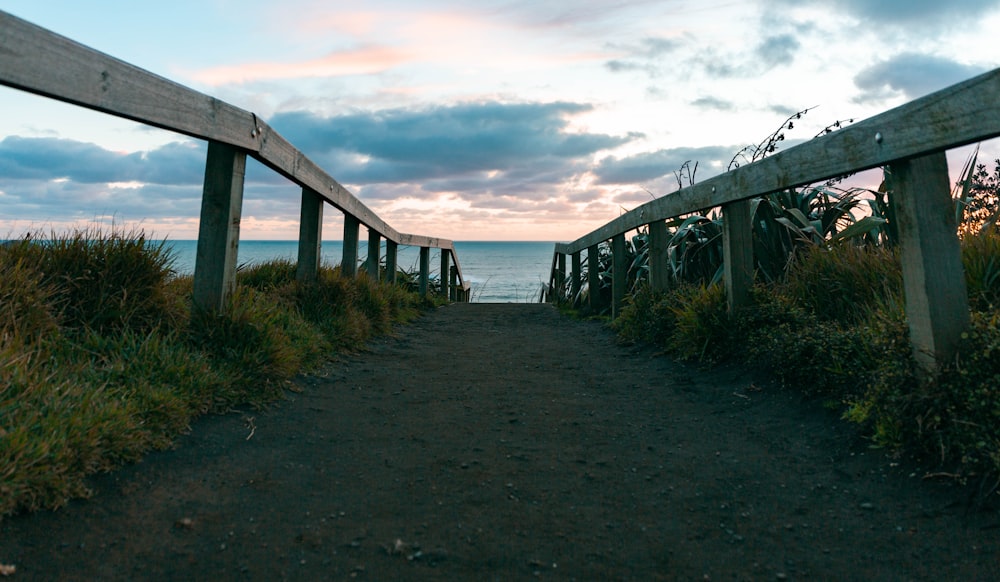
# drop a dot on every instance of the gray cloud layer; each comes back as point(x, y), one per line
point(912, 75)
point(907, 12)
point(645, 167)
point(497, 155)
point(485, 151)
point(86, 163)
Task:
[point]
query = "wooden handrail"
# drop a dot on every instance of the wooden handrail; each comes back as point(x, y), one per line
point(910, 139)
point(40, 61)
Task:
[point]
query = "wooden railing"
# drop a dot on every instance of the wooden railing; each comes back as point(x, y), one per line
point(39, 61)
point(911, 140)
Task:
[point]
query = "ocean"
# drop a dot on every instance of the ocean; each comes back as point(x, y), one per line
point(500, 272)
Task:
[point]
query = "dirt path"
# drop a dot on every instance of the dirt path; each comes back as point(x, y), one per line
point(504, 442)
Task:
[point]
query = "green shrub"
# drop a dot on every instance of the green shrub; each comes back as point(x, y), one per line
point(646, 317)
point(953, 421)
point(702, 325)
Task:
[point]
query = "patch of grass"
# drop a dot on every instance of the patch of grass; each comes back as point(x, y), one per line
point(102, 358)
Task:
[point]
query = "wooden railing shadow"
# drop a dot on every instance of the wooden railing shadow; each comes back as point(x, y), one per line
point(39, 61)
point(910, 140)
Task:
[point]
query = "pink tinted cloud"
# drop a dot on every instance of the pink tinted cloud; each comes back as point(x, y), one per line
point(366, 60)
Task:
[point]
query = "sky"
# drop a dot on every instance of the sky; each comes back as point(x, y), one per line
point(471, 120)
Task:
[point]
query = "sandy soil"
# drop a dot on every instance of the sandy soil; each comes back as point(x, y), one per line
point(506, 442)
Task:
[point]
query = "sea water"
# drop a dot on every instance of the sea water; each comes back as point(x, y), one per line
point(500, 272)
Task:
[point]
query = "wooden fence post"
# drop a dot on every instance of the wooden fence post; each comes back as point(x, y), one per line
point(444, 272)
point(737, 253)
point(454, 283)
point(594, 278)
point(937, 304)
point(219, 228)
point(659, 273)
point(310, 236)
point(425, 270)
point(619, 274)
point(391, 261)
point(349, 264)
point(373, 262)
point(560, 277)
point(575, 282)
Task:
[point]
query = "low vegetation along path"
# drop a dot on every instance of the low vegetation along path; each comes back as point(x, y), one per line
point(507, 442)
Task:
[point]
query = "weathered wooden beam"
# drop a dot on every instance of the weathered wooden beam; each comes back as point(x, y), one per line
point(560, 276)
point(425, 270)
point(937, 307)
point(575, 284)
point(737, 253)
point(349, 264)
point(458, 265)
point(619, 274)
point(391, 261)
point(548, 291)
point(659, 269)
point(374, 260)
point(455, 292)
point(445, 264)
point(594, 278)
point(219, 228)
point(310, 235)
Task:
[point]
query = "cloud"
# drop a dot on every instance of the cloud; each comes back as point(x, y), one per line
point(473, 141)
point(648, 166)
point(713, 103)
point(777, 50)
point(562, 15)
point(644, 56)
point(45, 158)
point(902, 13)
point(54, 181)
point(770, 53)
point(911, 75)
point(367, 60)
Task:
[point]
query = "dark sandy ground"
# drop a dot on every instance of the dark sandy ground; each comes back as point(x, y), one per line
point(506, 442)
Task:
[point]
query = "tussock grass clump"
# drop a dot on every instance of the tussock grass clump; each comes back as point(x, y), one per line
point(267, 275)
point(107, 280)
point(844, 284)
point(981, 259)
point(102, 358)
point(256, 337)
point(28, 309)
